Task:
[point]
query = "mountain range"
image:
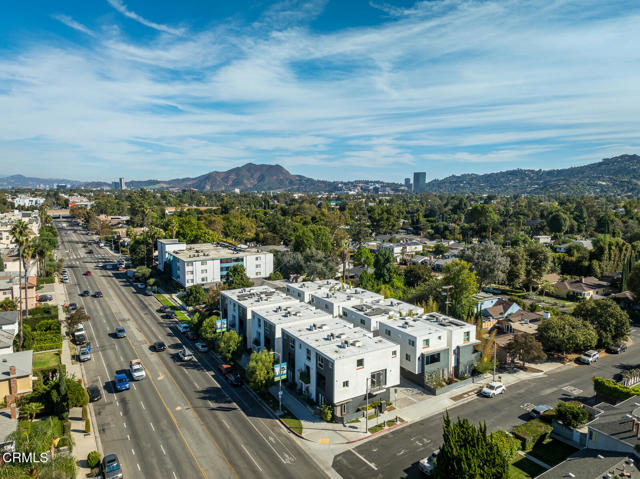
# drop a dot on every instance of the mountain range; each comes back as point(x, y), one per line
point(619, 175)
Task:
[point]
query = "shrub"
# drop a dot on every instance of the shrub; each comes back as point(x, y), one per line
point(77, 395)
point(85, 412)
point(87, 426)
point(66, 428)
point(508, 444)
point(93, 459)
point(532, 433)
point(612, 389)
point(572, 414)
point(326, 412)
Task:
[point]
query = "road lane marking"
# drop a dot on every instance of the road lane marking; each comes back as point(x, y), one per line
point(174, 475)
point(370, 464)
point(151, 424)
point(120, 413)
point(225, 424)
point(128, 437)
point(134, 387)
point(163, 451)
point(133, 452)
point(138, 466)
point(210, 403)
point(142, 404)
point(125, 425)
point(251, 457)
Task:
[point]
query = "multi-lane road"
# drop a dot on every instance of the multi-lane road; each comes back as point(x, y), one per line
point(183, 420)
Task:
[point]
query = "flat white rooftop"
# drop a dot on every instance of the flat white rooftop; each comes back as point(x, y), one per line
point(417, 326)
point(208, 251)
point(292, 314)
point(312, 286)
point(258, 296)
point(349, 295)
point(341, 343)
point(384, 307)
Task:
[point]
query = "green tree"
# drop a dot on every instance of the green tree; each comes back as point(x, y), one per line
point(363, 257)
point(77, 396)
point(558, 222)
point(142, 274)
point(30, 409)
point(237, 278)
point(468, 452)
point(213, 296)
point(525, 348)
point(416, 274)
point(194, 295)
point(440, 249)
point(260, 370)
point(1, 264)
point(76, 318)
point(633, 281)
point(538, 262)
point(483, 217)
point(567, 334)
point(238, 227)
point(208, 329)
point(303, 240)
point(8, 304)
point(20, 234)
point(321, 238)
point(517, 266)
point(572, 414)
point(229, 345)
point(384, 264)
point(464, 286)
point(93, 459)
point(609, 320)
point(488, 261)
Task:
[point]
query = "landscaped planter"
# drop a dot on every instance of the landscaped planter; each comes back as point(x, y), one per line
point(450, 387)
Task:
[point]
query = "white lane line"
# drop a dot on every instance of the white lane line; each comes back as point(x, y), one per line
point(138, 466)
point(370, 464)
point(120, 413)
point(163, 451)
point(210, 403)
point(134, 388)
point(133, 452)
point(225, 424)
point(248, 454)
point(198, 387)
point(117, 403)
point(154, 429)
point(125, 425)
point(128, 437)
point(174, 475)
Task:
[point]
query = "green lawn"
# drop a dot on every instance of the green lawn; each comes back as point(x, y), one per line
point(293, 423)
point(49, 359)
point(552, 452)
point(376, 428)
point(181, 316)
point(523, 468)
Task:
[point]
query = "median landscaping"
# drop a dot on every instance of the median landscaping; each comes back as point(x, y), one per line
point(167, 302)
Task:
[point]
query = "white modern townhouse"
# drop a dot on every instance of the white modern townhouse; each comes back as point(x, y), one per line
point(399, 250)
point(335, 363)
point(303, 291)
point(237, 307)
point(270, 321)
point(332, 302)
point(432, 342)
point(191, 264)
point(366, 315)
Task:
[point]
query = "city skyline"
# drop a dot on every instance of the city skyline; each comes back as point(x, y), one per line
point(330, 90)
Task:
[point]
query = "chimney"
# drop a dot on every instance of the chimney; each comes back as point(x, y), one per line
point(582, 279)
point(14, 412)
point(12, 370)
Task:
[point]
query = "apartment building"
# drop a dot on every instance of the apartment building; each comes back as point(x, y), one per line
point(408, 248)
point(238, 305)
point(7, 220)
point(432, 342)
point(27, 201)
point(208, 263)
point(303, 291)
point(332, 302)
point(336, 363)
point(367, 315)
point(270, 321)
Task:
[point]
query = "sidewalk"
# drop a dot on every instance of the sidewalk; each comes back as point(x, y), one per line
point(316, 430)
point(83, 443)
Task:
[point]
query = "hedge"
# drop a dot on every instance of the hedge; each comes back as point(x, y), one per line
point(93, 459)
point(532, 433)
point(508, 444)
point(614, 390)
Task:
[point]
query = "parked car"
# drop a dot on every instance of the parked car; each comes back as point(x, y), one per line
point(538, 411)
point(140, 285)
point(72, 307)
point(121, 382)
point(185, 355)
point(111, 467)
point(94, 393)
point(493, 389)
point(184, 327)
point(191, 336)
point(170, 315)
point(85, 293)
point(225, 369)
point(45, 297)
point(202, 347)
point(589, 357)
point(617, 348)
point(65, 280)
point(426, 465)
point(148, 292)
point(120, 332)
point(85, 354)
point(88, 273)
point(159, 346)
point(234, 379)
point(164, 309)
point(97, 294)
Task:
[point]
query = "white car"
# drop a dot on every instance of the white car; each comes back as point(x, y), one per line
point(493, 389)
point(589, 357)
point(184, 327)
point(426, 464)
point(202, 347)
point(185, 355)
point(137, 371)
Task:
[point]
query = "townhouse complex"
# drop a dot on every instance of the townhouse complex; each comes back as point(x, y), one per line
point(346, 346)
point(191, 264)
point(7, 220)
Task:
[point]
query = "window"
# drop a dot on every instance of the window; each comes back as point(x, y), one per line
point(394, 353)
point(259, 322)
point(360, 363)
point(412, 342)
point(292, 343)
point(387, 332)
point(345, 384)
point(425, 343)
point(362, 321)
point(467, 336)
point(258, 258)
point(320, 362)
point(432, 358)
point(258, 273)
point(308, 354)
point(203, 263)
point(203, 271)
point(407, 357)
point(378, 379)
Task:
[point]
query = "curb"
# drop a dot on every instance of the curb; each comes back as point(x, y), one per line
point(376, 433)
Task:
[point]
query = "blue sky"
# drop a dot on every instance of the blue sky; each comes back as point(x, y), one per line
point(331, 89)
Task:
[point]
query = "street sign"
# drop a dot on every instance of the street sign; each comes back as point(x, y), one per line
point(221, 325)
point(279, 371)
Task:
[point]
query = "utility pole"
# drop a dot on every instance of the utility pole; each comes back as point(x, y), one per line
point(366, 413)
point(446, 291)
point(279, 382)
point(495, 348)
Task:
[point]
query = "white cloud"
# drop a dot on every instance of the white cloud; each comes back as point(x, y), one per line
point(122, 8)
point(71, 23)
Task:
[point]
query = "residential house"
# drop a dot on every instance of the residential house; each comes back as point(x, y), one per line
point(543, 239)
point(341, 365)
point(562, 248)
point(10, 286)
point(594, 464)
point(432, 342)
point(366, 315)
point(332, 302)
point(583, 287)
point(303, 291)
point(616, 428)
point(15, 375)
point(237, 306)
point(208, 263)
point(399, 250)
point(499, 309)
point(522, 322)
point(270, 321)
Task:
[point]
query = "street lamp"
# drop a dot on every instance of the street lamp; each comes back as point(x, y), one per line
point(366, 412)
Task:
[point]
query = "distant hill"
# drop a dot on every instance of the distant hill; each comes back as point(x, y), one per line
point(21, 181)
point(619, 175)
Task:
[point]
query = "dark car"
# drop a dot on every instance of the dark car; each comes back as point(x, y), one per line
point(159, 346)
point(97, 294)
point(94, 393)
point(90, 251)
point(85, 293)
point(72, 307)
point(164, 309)
point(225, 369)
point(617, 348)
point(170, 315)
point(234, 379)
point(148, 293)
point(191, 336)
point(111, 467)
point(538, 411)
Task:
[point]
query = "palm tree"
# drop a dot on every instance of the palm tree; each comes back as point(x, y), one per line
point(20, 233)
point(30, 409)
point(28, 252)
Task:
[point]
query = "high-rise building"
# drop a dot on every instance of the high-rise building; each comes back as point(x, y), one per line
point(122, 184)
point(407, 183)
point(419, 182)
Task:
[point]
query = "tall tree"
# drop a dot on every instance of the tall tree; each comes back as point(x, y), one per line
point(237, 278)
point(488, 261)
point(384, 264)
point(464, 286)
point(517, 266)
point(260, 370)
point(609, 320)
point(483, 217)
point(229, 345)
point(20, 234)
point(363, 257)
point(525, 348)
point(538, 262)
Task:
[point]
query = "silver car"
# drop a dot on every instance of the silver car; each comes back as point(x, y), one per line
point(84, 355)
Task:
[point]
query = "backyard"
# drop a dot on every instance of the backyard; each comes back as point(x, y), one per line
point(46, 360)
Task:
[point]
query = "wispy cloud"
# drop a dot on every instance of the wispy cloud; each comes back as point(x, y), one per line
point(122, 8)
point(71, 23)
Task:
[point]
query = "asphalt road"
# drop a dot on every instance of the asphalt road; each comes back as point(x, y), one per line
point(184, 418)
point(397, 453)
